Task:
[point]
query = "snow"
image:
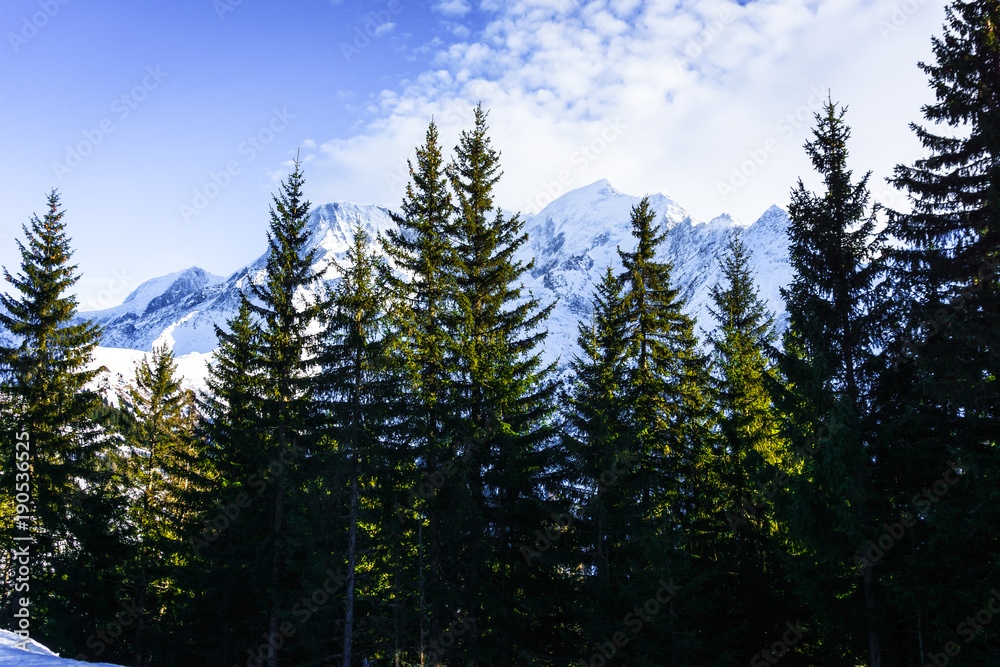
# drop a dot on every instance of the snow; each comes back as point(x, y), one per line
point(34, 654)
point(576, 237)
point(159, 290)
point(121, 363)
point(572, 240)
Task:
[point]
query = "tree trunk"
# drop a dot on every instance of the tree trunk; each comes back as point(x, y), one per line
point(874, 641)
point(279, 508)
point(351, 557)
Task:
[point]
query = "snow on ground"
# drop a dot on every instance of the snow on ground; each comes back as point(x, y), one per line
point(121, 363)
point(34, 654)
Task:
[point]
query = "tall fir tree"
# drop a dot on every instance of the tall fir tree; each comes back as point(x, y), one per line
point(227, 538)
point(599, 455)
point(75, 538)
point(421, 256)
point(752, 463)
point(504, 398)
point(268, 444)
point(667, 379)
point(290, 340)
point(944, 396)
point(837, 319)
point(359, 391)
point(161, 468)
point(667, 390)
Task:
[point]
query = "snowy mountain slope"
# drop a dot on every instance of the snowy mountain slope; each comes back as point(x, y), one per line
point(572, 240)
point(34, 655)
point(182, 309)
point(576, 237)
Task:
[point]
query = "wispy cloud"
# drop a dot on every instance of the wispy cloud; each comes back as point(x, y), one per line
point(453, 7)
point(699, 84)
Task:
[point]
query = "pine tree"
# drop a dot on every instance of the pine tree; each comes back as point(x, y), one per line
point(225, 540)
point(944, 398)
point(77, 544)
point(599, 454)
point(159, 457)
point(836, 321)
point(752, 463)
point(666, 389)
point(745, 330)
point(667, 378)
point(422, 285)
point(359, 392)
point(504, 399)
point(265, 431)
point(289, 339)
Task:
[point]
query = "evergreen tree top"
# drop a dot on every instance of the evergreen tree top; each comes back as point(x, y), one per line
point(45, 276)
point(51, 349)
point(738, 307)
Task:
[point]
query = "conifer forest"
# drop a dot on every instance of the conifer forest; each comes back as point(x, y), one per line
point(383, 471)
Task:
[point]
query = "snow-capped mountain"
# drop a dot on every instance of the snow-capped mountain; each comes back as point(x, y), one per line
point(572, 240)
point(576, 237)
point(182, 309)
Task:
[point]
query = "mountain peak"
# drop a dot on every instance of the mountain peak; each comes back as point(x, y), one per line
point(601, 187)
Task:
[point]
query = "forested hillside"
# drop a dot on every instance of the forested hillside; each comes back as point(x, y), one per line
point(387, 470)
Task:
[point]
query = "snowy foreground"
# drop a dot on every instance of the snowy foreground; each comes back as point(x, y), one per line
point(36, 655)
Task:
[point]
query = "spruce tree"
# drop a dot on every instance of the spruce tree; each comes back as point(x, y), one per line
point(421, 256)
point(359, 397)
point(752, 463)
point(504, 399)
point(289, 338)
point(226, 538)
point(267, 442)
point(667, 387)
point(77, 542)
point(667, 379)
point(836, 323)
point(943, 395)
point(599, 455)
point(159, 458)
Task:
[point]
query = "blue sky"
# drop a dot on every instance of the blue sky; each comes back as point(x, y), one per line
point(167, 126)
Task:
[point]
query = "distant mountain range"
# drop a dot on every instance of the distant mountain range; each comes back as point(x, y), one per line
point(572, 240)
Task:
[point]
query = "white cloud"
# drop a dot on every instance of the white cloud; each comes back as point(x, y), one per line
point(453, 7)
point(701, 87)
